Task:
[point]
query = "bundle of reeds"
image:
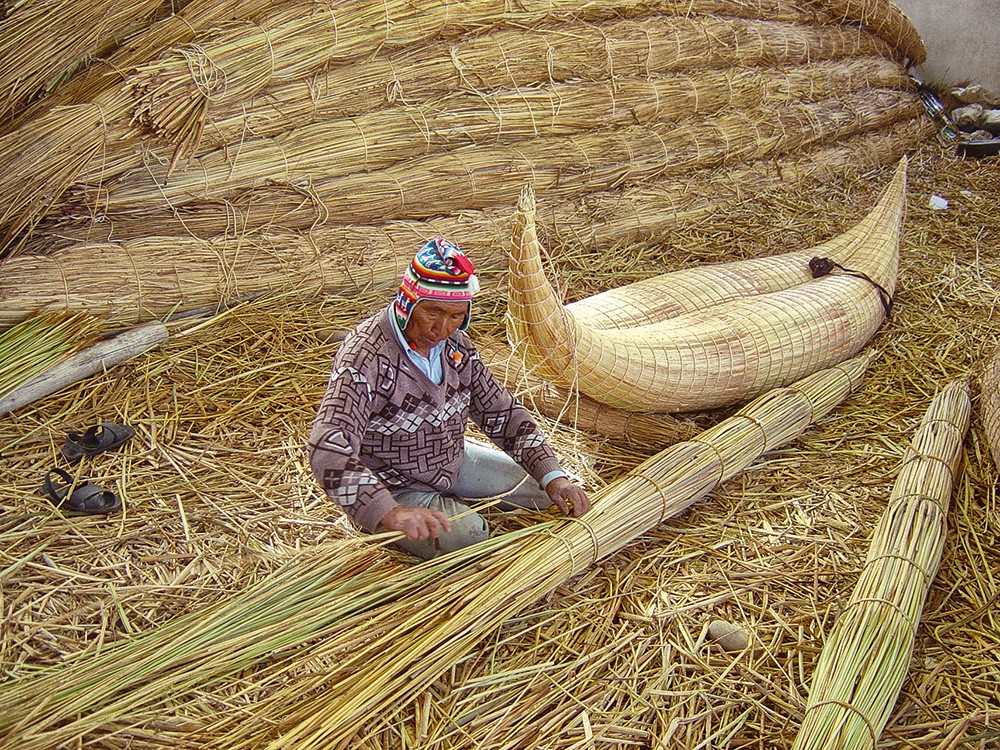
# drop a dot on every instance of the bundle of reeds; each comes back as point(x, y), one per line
point(173, 93)
point(865, 659)
point(152, 268)
point(989, 395)
point(375, 638)
point(504, 58)
point(774, 110)
point(74, 32)
point(729, 340)
point(54, 141)
point(36, 344)
point(467, 178)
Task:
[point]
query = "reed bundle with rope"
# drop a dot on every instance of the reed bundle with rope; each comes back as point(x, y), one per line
point(623, 49)
point(770, 105)
point(173, 94)
point(561, 167)
point(53, 142)
point(865, 659)
point(375, 639)
point(73, 33)
point(153, 269)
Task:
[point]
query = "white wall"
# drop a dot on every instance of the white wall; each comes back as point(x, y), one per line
point(962, 39)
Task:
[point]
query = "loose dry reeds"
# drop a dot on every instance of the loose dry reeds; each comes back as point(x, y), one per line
point(218, 496)
point(866, 657)
point(374, 627)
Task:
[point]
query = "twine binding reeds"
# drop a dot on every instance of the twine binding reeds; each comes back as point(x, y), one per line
point(865, 660)
point(772, 111)
point(172, 101)
point(376, 638)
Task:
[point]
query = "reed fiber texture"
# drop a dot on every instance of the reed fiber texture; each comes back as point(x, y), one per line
point(732, 332)
point(375, 639)
point(865, 659)
point(73, 31)
point(774, 109)
point(467, 177)
point(989, 399)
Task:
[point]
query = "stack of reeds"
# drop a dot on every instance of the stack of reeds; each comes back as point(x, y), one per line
point(257, 124)
point(338, 639)
point(866, 656)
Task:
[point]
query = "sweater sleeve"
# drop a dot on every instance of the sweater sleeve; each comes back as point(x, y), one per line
point(334, 446)
point(508, 423)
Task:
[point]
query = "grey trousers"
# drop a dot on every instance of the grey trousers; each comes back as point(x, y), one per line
point(486, 473)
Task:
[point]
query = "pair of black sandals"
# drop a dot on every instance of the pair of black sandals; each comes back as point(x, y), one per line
point(86, 497)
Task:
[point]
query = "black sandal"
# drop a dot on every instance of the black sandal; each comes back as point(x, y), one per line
point(105, 437)
point(84, 498)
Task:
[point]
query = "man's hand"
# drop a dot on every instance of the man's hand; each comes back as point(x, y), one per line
point(417, 523)
point(568, 497)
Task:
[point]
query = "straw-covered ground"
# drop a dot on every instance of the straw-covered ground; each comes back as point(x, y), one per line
point(218, 494)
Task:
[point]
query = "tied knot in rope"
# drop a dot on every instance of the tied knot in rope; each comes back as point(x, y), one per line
point(824, 266)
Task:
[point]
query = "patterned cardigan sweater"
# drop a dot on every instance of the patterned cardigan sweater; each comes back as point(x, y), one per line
point(383, 425)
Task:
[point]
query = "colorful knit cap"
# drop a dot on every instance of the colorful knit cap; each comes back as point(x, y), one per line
point(438, 271)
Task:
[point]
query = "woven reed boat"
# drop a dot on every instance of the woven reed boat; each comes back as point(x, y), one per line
point(710, 336)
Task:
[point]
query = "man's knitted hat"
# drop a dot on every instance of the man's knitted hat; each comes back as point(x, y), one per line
point(438, 271)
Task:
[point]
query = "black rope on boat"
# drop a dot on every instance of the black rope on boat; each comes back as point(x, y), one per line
point(824, 266)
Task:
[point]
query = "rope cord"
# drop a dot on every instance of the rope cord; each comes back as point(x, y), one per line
point(824, 266)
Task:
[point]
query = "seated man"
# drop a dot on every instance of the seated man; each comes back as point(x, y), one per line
point(388, 443)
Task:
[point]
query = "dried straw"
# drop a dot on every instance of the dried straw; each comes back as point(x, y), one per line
point(468, 178)
point(522, 58)
point(377, 140)
point(883, 18)
point(376, 638)
point(725, 338)
point(64, 134)
point(865, 660)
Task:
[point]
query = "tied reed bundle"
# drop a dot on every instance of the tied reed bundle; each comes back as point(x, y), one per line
point(173, 94)
point(74, 32)
point(419, 174)
point(376, 637)
point(715, 337)
point(40, 342)
point(504, 58)
point(772, 111)
point(153, 268)
point(864, 661)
